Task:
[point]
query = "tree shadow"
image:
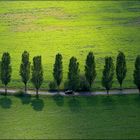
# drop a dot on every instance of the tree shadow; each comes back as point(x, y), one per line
point(37, 104)
point(137, 100)
point(5, 102)
point(59, 99)
point(25, 98)
point(108, 102)
point(122, 98)
point(92, 100)
point(74, 105)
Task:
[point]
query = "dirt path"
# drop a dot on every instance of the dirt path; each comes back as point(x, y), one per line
point(125, 91)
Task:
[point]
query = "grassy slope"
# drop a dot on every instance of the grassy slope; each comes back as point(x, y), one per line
point(72, 28)
point(65, 117)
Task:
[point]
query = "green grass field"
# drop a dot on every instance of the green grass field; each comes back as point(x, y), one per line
point(72, 28)
point(114, 117)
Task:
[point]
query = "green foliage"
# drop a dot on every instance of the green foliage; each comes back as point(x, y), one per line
point(0, 69)
point(90, 72)
point(108, 73)
point(84, 85)
point(58, 70)
point(37, 73)
point(6, 69)
point(121, 68)
point(66, 85)
point(137, 72)
point(52, 86)
point(25, 68)
point(73, 74)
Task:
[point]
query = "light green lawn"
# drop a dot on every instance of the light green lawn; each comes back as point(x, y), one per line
point(72, 28)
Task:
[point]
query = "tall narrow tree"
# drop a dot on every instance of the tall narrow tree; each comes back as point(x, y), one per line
point(37, 73)
point(136, 74)
point(6, 70)
point(73, 74)
point(121, 68)
point(58, 70)
point(108, 73)
point(25, 69)
point(90, 72)
point(0, 69)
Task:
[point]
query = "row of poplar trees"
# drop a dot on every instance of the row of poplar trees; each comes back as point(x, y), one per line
point(73, 82)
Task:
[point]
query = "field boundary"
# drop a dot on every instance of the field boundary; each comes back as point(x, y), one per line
point(62, 93)
point(70, 0)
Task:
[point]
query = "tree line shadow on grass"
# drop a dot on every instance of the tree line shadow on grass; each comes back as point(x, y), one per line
point(73, 102)
point(137, 100)
point(5, 102)
point(121, 99)
point(108, 101)
point(92, 101)
point(36, 103)
point(59, 99)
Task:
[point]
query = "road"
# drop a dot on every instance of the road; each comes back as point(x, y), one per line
point(124, 91)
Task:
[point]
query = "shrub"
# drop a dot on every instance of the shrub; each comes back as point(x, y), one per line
point(73, 74)
point(52, 86)
point(84, 85)
point(66, 85)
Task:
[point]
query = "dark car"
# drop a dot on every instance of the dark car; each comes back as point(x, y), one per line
point(69, 92)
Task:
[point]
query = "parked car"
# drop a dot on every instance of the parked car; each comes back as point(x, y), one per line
point(69, 92)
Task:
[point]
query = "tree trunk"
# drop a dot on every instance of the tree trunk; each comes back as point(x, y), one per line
point(37, 93)
point(107, 92)
point(25, 88)
point(139, 90)
point(5, 89)
point(90, 86)
point(57, 89)
point(120, 87)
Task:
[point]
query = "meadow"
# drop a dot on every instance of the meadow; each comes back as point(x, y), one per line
point(99, 117)
point(72, 28)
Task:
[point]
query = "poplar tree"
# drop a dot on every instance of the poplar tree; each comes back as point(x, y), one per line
point(73, 74)
point(108, 73)
point(58, 70)
point(6, 70)
point(25, 69)
point(37, 73)
point(136, 74)
point(90, 72)
point(121, 68)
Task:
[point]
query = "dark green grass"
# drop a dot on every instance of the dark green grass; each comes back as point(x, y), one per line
point(115, 116)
